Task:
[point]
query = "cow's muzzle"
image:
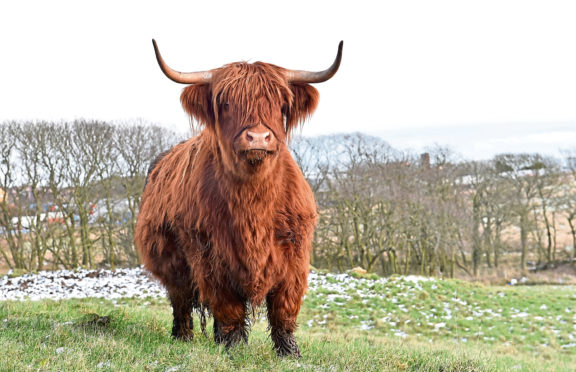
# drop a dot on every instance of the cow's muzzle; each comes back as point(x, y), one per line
point(256, 143)
point(256, 138)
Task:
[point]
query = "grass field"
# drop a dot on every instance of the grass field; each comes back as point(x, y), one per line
point(346, 324)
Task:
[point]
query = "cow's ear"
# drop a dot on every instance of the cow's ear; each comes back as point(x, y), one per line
point(197, 101)
point(304, 102)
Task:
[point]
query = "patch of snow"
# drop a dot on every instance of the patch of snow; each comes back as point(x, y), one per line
point(103, 364)
point(365, 325)
point(400, 333)
point(65, 284)
point(437, 326)
point(61, 350)
point(416, 278)
point(519, 315)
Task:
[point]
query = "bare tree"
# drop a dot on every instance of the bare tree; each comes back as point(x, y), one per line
point(519, 170)
point(9, 206)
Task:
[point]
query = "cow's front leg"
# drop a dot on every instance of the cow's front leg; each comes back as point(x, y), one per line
point(230, 323)
point(283, 305)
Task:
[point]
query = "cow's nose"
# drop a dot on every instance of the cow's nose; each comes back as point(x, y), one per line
point(258, 140)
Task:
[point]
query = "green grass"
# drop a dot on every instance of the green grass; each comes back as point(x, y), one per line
point(346, 325)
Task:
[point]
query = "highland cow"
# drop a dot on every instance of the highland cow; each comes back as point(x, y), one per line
point(227, 217)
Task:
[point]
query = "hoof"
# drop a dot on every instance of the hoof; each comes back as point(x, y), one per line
point(285, 344)
point(183, 331)
point(230, 338)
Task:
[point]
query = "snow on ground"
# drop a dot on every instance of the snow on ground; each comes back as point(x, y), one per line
point(136, 282)
point(64, 284)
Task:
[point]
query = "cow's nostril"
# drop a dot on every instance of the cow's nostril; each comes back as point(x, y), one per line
point(258, 137)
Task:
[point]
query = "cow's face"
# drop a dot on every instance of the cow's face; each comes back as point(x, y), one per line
point(251, 109)
point(252, 141)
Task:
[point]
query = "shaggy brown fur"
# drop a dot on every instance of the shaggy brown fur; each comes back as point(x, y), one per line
point(225, 229)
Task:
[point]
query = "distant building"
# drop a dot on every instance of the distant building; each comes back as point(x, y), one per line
point(425, 160)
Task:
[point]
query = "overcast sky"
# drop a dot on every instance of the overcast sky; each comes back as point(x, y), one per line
point(482, 77)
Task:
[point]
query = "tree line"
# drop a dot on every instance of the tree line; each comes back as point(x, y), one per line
point(69, 196)
point(396, 212)
point(71, 191)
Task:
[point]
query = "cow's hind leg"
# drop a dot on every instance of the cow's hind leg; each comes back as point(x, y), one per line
point(183, 296)
point(217, 332)
point(230, 322)
point(165, 259)
point(183, 302)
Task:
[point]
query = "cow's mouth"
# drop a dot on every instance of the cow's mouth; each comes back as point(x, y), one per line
point(257, 156)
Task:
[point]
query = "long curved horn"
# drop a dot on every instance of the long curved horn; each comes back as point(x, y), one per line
point(297, 76)
point(200, 77)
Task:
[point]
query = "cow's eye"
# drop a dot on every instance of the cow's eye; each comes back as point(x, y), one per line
point(224, 106)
